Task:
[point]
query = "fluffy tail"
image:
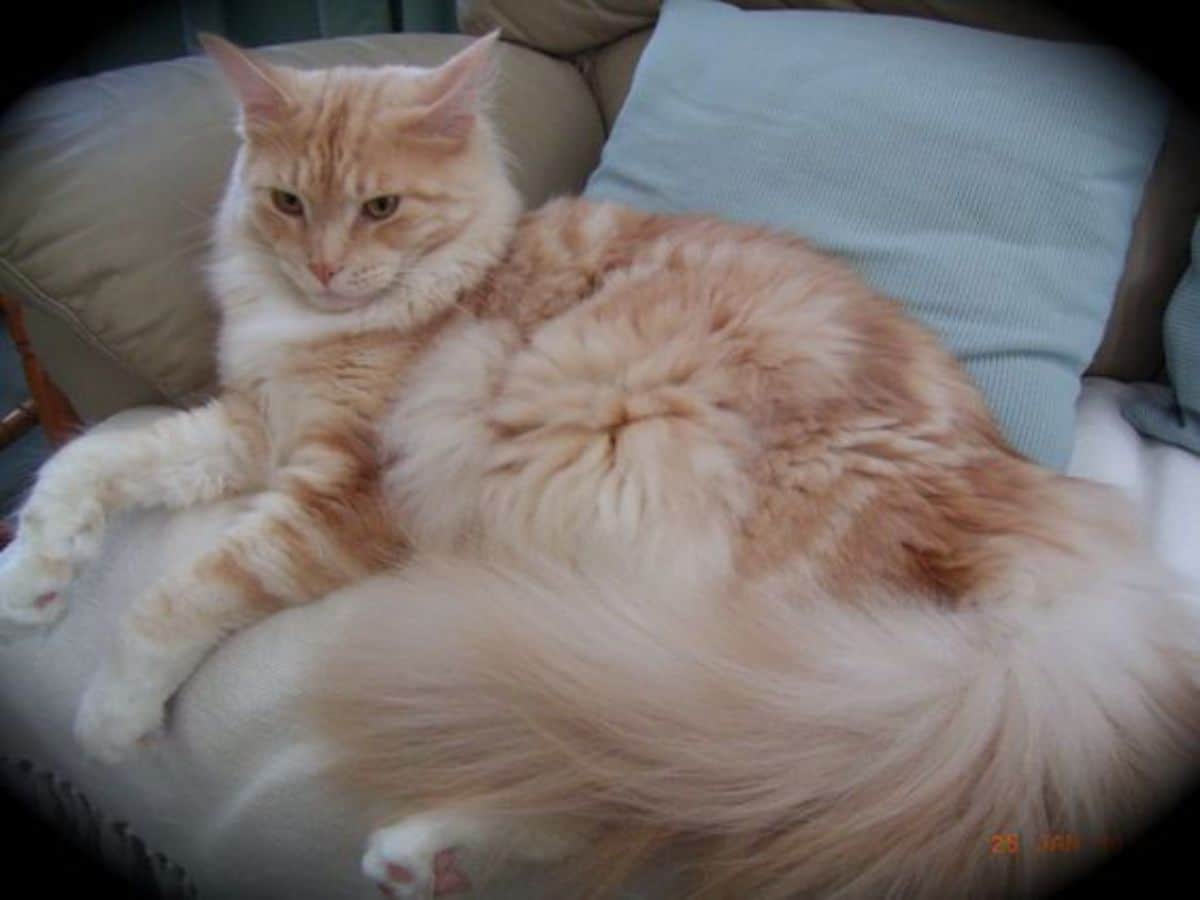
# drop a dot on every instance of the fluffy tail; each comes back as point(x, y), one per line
point(782, 749)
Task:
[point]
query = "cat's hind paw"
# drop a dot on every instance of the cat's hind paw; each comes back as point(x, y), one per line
point(412, 861)
point(115, 717)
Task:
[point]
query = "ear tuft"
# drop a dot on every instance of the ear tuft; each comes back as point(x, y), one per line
point(453, 93)
point(259, 87)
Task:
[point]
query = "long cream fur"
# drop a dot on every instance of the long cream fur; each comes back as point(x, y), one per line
point(777, 745)
point(703, 552)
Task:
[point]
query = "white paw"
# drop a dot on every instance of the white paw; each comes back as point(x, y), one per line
point(415, 860)
point(64, 521)
point(30, 589)
point(114, 716)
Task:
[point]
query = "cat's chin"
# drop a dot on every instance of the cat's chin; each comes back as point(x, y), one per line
point(333, 302)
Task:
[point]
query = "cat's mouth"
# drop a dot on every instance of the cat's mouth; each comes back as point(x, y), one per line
point(330, 299)
point(335, 301)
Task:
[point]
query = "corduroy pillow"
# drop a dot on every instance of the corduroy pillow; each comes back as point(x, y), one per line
point(990, 182)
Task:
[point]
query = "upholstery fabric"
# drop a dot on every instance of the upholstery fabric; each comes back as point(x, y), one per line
point(565, 27)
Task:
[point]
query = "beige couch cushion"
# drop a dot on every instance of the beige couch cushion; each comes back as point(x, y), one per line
point(108, 186)
point(98, 382)
point(609, 71)
point(567, 27)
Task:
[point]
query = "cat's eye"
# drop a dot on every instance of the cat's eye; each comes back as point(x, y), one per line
point(379, 208)
point(286, 203)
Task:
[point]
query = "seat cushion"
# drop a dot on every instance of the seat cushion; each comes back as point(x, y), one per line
point(989, 182)
point(108, 186)
point(230, 802)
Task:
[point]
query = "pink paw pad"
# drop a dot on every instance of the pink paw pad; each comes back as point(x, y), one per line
point(46, 599)
point(399, 874)
point(447, 878)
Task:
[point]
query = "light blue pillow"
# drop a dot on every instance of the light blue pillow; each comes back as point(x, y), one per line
point(1172, 414)
point(990, 182)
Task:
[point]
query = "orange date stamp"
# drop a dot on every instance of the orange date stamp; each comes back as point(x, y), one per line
point(1010, 843)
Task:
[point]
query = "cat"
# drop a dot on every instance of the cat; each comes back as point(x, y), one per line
point(685, 545)
point(322, 304)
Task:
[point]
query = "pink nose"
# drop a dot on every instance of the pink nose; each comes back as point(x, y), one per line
point(323, 271)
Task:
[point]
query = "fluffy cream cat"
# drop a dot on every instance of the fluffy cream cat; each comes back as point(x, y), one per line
point(329, 285)
point(700, 549)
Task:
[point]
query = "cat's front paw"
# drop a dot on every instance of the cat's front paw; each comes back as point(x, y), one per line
point(115, 716)
point(412, 860)
point(30, 590)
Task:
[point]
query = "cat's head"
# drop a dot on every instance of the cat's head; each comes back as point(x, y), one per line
point(366, 185)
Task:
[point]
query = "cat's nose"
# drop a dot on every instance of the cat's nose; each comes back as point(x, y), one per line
point(323, 271)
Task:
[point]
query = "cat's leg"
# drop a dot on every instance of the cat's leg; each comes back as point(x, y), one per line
point(190, 457)
point(444, 854)
point(323, 526)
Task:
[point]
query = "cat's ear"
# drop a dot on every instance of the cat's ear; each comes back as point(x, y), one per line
point(451, 96)
point(260, 88)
